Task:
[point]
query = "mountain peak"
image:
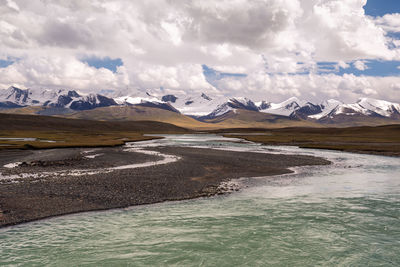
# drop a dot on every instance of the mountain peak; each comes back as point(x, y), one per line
point(292, 99)
point(12, 88)
point(17, 95)
point(374, 102)
point(381, 107)
point(202, 105)
point(73, 93)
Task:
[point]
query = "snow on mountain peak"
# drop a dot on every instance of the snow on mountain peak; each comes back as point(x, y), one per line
point(368, 107)
point(326, 108)
point(364, 106)
point(134, 100)
point(196, 104)
point(206, 97)
point(284, 108)
point(381, 107)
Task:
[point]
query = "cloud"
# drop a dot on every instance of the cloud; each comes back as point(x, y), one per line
point(360, 65)
point(65, 72)
point(163, 43)
point(12, 5)
point(313, 87)
point(253, 24)
point(389, 22)
point(63, 34)
point(343, 65)
point(179, 78)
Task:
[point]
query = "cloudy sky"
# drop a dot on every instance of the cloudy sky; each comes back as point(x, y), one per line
point(263, 49)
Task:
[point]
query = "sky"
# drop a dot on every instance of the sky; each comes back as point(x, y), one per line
point(262, 49)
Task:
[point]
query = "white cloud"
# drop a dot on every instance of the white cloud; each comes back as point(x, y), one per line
point(173, 32)
point(260, 86)
point(11, 4)
point(360, 65)
point(65, 72)
point(163, 43)
point(389, 22)
point(343, 65)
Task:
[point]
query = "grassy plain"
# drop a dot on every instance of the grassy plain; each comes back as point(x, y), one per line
point(382, 140)
point(55, 132)
point(52, 132)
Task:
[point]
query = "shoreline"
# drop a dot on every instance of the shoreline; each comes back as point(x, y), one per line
point(200, 172)
point(219, 192)
point(379, 140)
point(60, 145)
point(354, 147)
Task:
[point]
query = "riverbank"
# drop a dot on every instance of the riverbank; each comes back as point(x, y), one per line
point(380, 140)
point(198, 173)
point(44, 132)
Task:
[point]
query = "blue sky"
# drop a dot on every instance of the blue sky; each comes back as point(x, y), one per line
point(5, 63)
point(375, 68)
point(213, 76)
point(382, 7)
point(106, 62)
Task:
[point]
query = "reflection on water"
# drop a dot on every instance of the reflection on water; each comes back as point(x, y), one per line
point(345, 214)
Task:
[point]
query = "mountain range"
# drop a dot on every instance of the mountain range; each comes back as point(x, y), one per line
point(198, 109)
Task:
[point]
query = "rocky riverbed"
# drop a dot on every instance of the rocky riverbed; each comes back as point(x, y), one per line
point(45, 183)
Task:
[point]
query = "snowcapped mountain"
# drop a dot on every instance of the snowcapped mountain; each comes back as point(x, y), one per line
point(306, 110)
point(381, 107)
point(90, 101)
point(14, 97)
point(285, 108)
point(138, 98)
point(295, 108)
point(326, 107)
point(298, 109)
point(144, 99)
point(242, 103)
point(202, 106)
point(367, 107)
point(232, 105)
point(198, 105)
point(195, 104)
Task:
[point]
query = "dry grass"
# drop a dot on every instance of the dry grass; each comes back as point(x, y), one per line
point(240, 118)
point(68, 139)
point(383, 140)
point(75, 133)
point(138, 113)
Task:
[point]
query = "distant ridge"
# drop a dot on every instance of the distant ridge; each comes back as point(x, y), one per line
point(201, 107)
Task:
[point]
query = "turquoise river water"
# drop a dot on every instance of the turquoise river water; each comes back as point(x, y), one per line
point(345, 214)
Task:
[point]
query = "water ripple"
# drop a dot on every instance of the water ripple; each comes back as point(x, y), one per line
point(322, 216)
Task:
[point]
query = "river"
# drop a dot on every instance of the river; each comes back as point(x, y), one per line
point(346, 214)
